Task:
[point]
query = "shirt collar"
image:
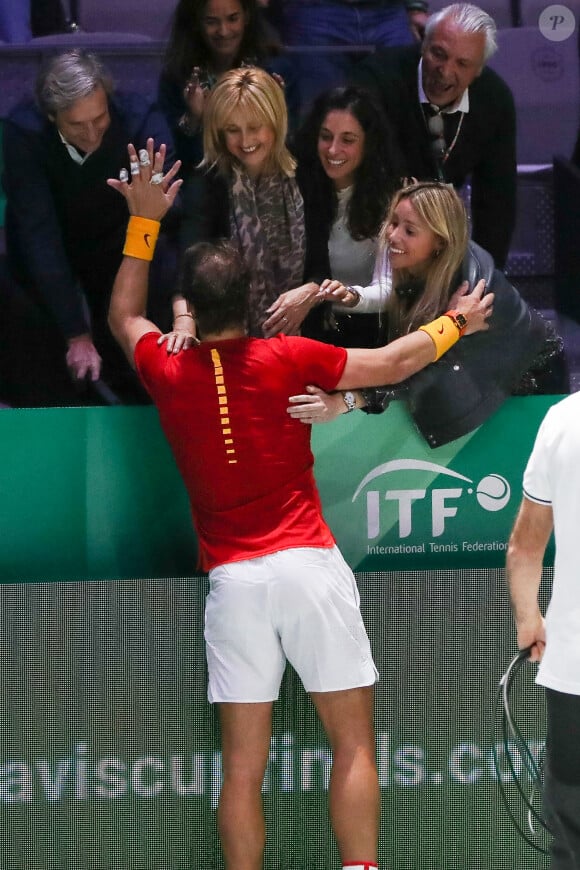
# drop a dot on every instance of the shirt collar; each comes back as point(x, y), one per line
point(73, 152)
point(461, 106)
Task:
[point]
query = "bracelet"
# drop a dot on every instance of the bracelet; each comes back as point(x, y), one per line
point(356, 295)
point(444, 333)
point(185, 314)
point(141, 238)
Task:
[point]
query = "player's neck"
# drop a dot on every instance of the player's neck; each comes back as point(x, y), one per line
point(225, 334)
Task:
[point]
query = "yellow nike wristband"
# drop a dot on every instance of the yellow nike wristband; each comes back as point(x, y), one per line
point(444, 333)
point(141, 238)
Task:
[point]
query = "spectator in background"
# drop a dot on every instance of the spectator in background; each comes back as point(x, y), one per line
point(209, 38)
point(21, 20)
point(550, 503)
point(344, 23)
point(454, 117)
point(48, 16)
point(424, 258)
point(65, 230)
point(349, 165)
point(251, 196)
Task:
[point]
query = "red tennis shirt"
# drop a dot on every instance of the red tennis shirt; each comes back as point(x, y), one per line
point(246, 464)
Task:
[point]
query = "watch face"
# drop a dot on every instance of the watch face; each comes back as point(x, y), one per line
point(461, 321)
point(349, 400)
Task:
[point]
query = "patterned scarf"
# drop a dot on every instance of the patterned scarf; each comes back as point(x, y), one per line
point(267, 219)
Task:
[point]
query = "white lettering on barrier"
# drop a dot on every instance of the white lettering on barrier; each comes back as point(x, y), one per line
point(373, 515)
point(140, 772)
point(409, 762)
point(439, 509)
point(461, 764)
point(405, 497)
point(81, 771)
point(16, 782)
point(394, 549)
point(491, 494)
point(110, 774)
point(178, 765)
point(483, 546)
point(433, 547)
point(53, 778)
point(290, 769)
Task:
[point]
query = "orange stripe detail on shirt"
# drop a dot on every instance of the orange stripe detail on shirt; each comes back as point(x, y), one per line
point(222, 397)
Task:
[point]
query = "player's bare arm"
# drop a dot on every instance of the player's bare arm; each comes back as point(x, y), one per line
point(149, 196)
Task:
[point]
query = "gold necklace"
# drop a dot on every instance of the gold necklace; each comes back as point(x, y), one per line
point(452, 146)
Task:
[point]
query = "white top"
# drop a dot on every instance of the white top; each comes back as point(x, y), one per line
point(351, 261)
point(552, 477)
point(374, 296)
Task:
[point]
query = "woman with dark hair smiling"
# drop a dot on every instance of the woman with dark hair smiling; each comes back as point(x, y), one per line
point(208, 38)
point(348, 168)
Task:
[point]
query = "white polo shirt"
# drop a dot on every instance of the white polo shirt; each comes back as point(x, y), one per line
point(552, 477)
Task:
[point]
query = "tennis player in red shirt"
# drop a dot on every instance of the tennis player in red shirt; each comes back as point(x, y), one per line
point(279, 588)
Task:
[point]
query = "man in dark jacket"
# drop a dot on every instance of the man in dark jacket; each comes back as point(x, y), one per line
point(454, 117)
point(65, 229)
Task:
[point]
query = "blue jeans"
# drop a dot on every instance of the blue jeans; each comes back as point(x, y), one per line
point(339, 24)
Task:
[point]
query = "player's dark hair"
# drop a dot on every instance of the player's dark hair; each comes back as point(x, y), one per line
point(215, 280)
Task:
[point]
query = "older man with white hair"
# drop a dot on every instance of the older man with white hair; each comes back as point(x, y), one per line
point(453, 116)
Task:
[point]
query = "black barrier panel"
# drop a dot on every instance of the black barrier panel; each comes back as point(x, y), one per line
point(110, 753)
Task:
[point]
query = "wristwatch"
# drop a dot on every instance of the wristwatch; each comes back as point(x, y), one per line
point(349, 401)
point(460, 320)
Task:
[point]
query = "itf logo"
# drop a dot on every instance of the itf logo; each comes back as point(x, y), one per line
point(492, 493)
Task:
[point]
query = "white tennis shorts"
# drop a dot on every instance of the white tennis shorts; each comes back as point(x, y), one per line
point(299, 605)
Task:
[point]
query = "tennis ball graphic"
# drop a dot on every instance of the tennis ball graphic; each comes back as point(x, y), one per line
point(493, 492)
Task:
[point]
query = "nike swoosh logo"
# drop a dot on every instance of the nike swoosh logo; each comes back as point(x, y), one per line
point(440, 331)
point(146, 238)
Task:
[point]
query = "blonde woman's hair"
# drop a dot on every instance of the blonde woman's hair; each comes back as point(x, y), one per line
point(258, 97)
point(441, 210)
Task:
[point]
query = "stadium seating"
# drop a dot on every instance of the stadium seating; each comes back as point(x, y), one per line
point(544, 79)
point(152, 17)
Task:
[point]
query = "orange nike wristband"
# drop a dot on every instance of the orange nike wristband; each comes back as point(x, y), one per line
point(444, 333)
point(141, 238)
